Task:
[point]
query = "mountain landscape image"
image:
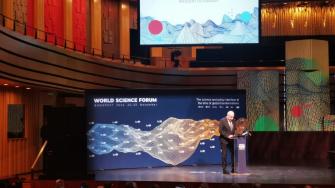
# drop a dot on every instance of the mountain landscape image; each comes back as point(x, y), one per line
point(243, 28)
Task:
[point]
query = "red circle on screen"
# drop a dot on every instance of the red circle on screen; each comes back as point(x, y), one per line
point(155, 27)
point(296, 111)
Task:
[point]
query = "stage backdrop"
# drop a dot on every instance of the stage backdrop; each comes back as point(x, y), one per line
point(151, 128)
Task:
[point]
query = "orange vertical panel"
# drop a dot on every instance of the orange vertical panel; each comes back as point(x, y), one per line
point(30, 17)
point(16, 155)
point(54, 21)
point(96, 26)
point(79, 23)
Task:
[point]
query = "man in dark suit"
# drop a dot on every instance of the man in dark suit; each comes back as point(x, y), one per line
point(227, 131)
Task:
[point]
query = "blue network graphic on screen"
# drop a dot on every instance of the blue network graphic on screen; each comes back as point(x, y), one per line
point(151, 128)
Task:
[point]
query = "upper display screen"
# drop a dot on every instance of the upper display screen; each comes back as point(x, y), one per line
point(198, 22)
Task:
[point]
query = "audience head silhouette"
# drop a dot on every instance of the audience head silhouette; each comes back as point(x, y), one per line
point(131, 185)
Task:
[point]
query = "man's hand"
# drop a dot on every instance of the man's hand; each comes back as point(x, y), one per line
point(231, 136)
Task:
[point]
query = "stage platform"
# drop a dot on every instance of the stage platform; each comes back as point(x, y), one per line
point(317, 175)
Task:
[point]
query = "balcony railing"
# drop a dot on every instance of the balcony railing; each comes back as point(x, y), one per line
point(53, 39)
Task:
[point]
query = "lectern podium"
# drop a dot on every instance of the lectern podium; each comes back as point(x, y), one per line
point(240, 162)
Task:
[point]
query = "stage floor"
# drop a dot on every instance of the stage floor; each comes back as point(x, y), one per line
point(213, 174)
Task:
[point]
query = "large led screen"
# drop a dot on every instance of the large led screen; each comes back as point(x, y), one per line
point(152, 128)
point(198, 22)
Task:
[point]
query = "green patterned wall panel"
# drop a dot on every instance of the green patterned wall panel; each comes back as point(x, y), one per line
point(307, 95)
point(262, 96)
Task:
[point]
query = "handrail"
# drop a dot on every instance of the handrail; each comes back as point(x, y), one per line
point(52, 38)
point(38, 157)
point(49, 37)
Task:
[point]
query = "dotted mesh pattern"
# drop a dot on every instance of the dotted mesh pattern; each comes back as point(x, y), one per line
point(262, 98)
point(307, 96)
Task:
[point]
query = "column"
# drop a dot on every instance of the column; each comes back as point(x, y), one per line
point(68, 23)
point(96, 26)
point(39, 18)
point(124, 29)
point(79, 24)
point(307, 77)
point(30, 17)
point(54, 21)
point(8, 11)
point(88, 25)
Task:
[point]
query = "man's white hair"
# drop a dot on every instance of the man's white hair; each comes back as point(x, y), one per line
point(231, 113)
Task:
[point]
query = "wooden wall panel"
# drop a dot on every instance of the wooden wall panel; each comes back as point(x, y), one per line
point(133, 14)
point(79, 23)
point(54, 19)
point(88, 25)
point(110, 28)
point(124, 29)
point(17, 155)
point(156, 51)
point(68, 21)
point(20, 14)
point(20, 10)
point(8, 11)
point(39, 17)
point(30, 17)
point(1, 5)
point(96, 25)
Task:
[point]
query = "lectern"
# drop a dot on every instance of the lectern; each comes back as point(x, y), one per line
point(240, 146)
